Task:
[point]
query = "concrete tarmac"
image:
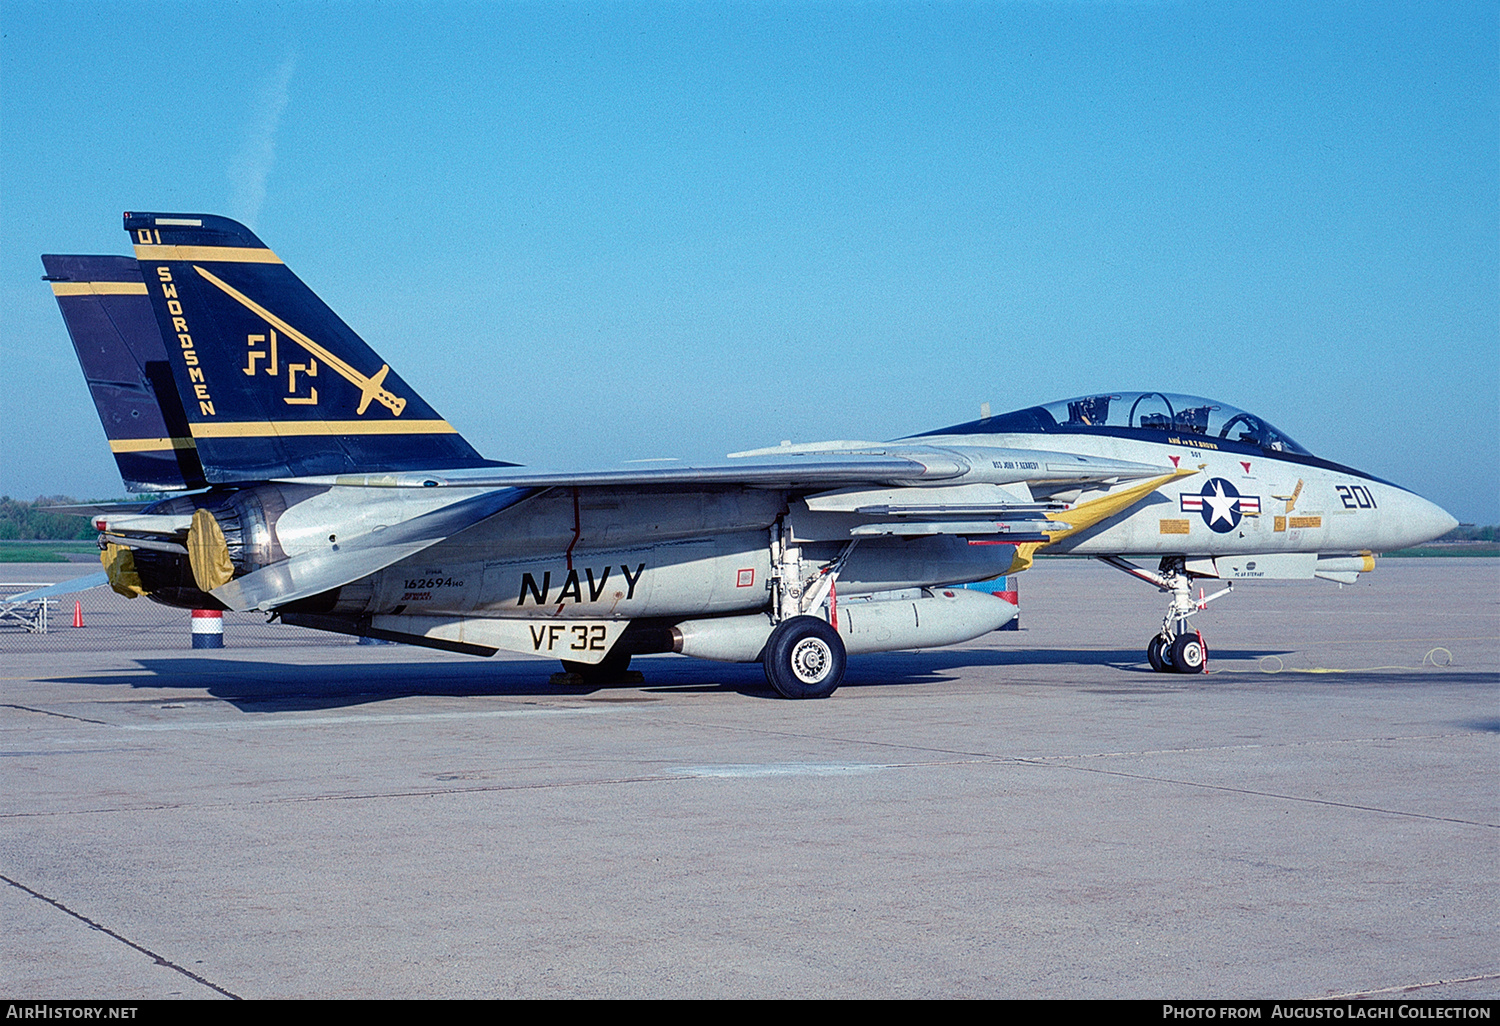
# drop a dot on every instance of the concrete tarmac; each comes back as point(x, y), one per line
point(1033, 814)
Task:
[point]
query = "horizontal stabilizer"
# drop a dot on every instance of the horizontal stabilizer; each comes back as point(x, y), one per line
point(78, 584)
point(102, 509)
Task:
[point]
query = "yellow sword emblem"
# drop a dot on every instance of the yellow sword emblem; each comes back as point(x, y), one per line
point(371, 387)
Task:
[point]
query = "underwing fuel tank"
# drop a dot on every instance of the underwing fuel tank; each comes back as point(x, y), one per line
point(931, 617)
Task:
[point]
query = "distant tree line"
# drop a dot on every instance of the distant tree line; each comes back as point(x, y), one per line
point(30, 521)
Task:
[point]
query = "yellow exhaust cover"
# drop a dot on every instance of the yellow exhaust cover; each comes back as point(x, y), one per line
point(119, 567)
point(208, 553)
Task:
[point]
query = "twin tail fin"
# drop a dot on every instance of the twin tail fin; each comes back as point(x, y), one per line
point(109, 318)
point(273, 383)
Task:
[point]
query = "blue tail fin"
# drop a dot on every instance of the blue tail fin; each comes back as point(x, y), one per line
point(108, 314)
point(273, 382)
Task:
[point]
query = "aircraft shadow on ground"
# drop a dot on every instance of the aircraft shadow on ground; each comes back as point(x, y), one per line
point(267, 686)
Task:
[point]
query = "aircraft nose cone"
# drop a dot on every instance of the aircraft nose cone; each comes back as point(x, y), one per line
point(1445, 521)
point(1423, 521)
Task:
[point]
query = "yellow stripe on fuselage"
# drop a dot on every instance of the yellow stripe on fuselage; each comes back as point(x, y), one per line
point(303, 428)
point(150, 444)
point(208, 254)
point(98, 288)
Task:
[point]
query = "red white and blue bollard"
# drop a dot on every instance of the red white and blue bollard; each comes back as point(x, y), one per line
point(208, 628)
point(1003, 588)
point(1013, 596)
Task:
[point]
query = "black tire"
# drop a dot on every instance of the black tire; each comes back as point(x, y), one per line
point(1154, 655)
point(1189, 654)
point(804, 658)
point(1165, 654)
point(608, 671)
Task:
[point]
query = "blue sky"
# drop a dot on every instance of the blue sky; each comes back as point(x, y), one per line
point(595, 232)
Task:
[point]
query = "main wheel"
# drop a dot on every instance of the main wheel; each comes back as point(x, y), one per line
point(610, 670)
point(1188, 654)
point(1156, 656)
point(804, 658)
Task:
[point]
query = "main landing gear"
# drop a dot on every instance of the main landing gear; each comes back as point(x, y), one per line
point(612, 669)
point(1178, 647)
point(804, 657)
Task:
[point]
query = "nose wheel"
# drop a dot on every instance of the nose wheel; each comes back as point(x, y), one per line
point(1189, 653)
point(1154, 653)
point(1183, 653)
point(1178, 647)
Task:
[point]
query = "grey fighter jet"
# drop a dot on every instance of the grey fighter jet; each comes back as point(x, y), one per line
point(337, 499)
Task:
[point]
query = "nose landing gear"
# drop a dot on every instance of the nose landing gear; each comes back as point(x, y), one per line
point(1178, 647)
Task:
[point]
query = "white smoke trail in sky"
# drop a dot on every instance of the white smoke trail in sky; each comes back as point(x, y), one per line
point(251, 166)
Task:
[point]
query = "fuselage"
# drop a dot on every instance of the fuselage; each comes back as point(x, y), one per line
point(1230, 486)
point(632, 553)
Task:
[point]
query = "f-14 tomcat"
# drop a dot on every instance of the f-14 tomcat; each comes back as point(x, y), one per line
point(320, 489)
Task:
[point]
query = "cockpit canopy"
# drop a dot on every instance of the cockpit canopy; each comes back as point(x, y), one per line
point(1145, 415)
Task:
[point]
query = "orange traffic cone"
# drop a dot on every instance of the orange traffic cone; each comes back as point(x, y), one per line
point(77, 613)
